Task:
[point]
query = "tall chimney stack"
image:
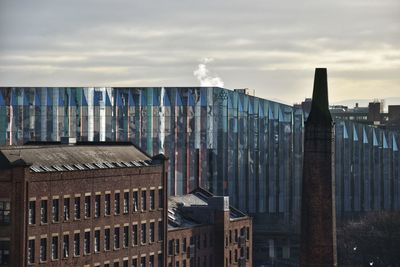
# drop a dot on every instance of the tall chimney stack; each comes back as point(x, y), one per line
point(318, 217)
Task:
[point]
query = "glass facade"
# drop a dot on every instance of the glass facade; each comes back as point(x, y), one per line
point(226, 141)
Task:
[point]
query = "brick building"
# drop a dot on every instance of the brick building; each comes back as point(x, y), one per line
point(204, 231)
point(83, 204)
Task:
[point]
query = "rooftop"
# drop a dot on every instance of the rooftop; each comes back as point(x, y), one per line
point(54, 156)
point(195, 209)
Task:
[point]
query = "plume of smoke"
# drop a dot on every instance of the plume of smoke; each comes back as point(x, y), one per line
point(204, 76)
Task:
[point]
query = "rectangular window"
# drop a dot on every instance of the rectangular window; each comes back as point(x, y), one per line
point(151, 232)
point(87, 206)
point(143, 200)
point(135, 201)
point(97, 200)
point(205, 241)
point(54, 248)
point(125, 263)
point(126, 202)
point(117, 203)
point(107, 204)
point(151, 261)
point(116, 264)
point(5, 212)
point(160, 261)
point(170, 247)
point(32, 212)
point(143, 233)
point(77, 244)
point(134, 235)
point(96, 241)
point(43, 211)
point(160, 230)
point(247, 233)
point(56, 210)
point(160, 198)
point(77, 208)
point(65, 246)
point(66, 209)
point(31, 251)
point(184, 245)
point(134, 263)
point(107, 240)
point(126, 236)
point(116, 238)
point(86, 242)
point(177, 246)
point(43, 249)
point(151, 199)
point(143, 261)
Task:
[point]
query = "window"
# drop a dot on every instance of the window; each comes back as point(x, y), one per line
point(86, 242)
point(4, 252)
point(5, 212)
point(77, 208)
point(87, 206)
point(134, 263)
point(170, 247)
point(126, 202)
point(184, 245)
point(125, 263)
point(126, 236)
point(177, 264)
point(32, 212)
point(152, 206)
point(43, 211)
point(107, 204)
point(107, 239)
point(97, 241)
point(151, 261)
point(143, 261)
point(66, 209)
point(143, 200)
point(135, 201)
point(236, 235)
point(160, 261)
point(116, 264)
point(143, 233)
point(184, 263)
point(134, 235)
point(230, 236)
point(247, 252)
point(160, 198)
point(247, 233)
point(54, 248)
point(151, 232)
point(55, 210)
point(116, 238)
point(43, 249)
point(65, 246)
point(117, 203)
point(31, 251)
point(77, 244)
point(97, 200)
point(205, 241)
point(160, 230)
point(177, 245)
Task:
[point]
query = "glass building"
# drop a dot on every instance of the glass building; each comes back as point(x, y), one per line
point(226, 141)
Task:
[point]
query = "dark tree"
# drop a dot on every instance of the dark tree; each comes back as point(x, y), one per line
point(374, 240)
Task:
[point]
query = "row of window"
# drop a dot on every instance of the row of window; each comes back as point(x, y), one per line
point(234, 235)
point(192, 262)
point(95, 205)
point(198, 241)
point(102, 239)
point(5, 212)
point(242, 255)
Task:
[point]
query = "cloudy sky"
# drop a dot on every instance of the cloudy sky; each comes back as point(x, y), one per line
point(270, 46)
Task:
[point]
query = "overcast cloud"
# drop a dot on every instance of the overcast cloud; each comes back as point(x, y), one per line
point(270, 46)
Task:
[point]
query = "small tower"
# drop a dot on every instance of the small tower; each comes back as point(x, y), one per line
point(318, 218)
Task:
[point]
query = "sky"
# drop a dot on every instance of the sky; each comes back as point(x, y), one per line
point(272, 47)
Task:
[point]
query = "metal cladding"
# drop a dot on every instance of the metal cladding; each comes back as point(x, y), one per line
point(318, 218)
point(223, 140)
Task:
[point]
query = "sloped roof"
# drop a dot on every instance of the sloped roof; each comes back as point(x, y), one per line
point(57, 157)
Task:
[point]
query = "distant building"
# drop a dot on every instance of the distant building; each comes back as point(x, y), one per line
point(81, 205)
point(371, 115)
point(203, 230)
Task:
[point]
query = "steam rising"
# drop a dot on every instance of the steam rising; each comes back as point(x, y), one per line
point(204, 76)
